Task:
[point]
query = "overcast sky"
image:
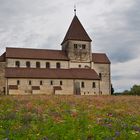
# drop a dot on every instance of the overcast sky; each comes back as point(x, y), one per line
point(113, 25)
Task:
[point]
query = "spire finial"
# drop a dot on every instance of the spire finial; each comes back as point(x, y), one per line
point(75, 10)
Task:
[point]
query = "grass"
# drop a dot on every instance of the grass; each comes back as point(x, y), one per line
point(42, 117)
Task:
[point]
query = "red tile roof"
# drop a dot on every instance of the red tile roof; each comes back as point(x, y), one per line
point(76, 31)
point(2, 57)
point(26, 53)
point(100, 58)
point(87, 74)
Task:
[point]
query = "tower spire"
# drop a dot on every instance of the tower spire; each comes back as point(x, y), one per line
point(75, 10)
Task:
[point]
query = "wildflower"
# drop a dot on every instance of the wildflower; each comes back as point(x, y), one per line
point(110, 114)
point(117, 133)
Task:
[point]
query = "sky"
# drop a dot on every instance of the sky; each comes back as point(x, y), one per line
point(113, 25)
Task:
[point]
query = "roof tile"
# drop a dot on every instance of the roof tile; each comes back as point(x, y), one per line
point(76, 31)
point(26, 53)
point(88, 74)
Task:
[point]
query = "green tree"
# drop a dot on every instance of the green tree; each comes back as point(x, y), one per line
point(135, 90)
point(112, 90)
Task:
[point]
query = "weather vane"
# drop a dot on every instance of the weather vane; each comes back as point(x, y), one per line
point(75, 9)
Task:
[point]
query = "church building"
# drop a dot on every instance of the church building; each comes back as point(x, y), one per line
point(73, 70)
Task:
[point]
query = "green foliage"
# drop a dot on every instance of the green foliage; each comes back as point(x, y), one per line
point(135, 90)
point(112, 90)
point(69, 118)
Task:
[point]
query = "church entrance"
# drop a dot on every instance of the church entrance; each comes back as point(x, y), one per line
point(77, 90)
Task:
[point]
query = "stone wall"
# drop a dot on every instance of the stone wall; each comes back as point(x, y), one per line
point(67, 87)
point(2, 77)
point(11, 63)
point(78, 54)
point(105, 82)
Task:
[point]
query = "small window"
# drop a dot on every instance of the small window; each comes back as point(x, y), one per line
point(94, 85)
point(83, 46)
point(51, 82)
point(82, 84)
point(100, 76)
point(38, 64)
point(30, 82)
point(79, 66)
point(58, 65)
point(18, 82)
point(28, 64)
point(75, 46)
point(47, 65)
point(61, 83)
point(17, 63)
point(41, 82)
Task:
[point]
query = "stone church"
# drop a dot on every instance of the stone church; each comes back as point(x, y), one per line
point(73, 70)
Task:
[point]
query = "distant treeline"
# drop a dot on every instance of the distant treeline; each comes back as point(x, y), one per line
point(135, 90)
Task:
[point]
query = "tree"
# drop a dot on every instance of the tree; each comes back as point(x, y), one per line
point(112, 90)
point(135, 90)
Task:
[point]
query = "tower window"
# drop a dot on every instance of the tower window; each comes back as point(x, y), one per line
point(28, 64)
point(82, 84)
point(94, 85)
point(58, 65)
point(47, 65)
point(17, 63)
point(38, 64)
point(18, 82)
point(75, 46)
point(83, 46)
point(61, 83)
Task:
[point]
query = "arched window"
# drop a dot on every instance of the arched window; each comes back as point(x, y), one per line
point(79, 66)
point(51, 82)
point(58, 65)
point(38, 64)
point(41, 83)
point(17, 63)
point(18, 82)
point(47, 65)
point(61, 83)
point(82, 84)
point(93, 85)
point(28, 64)
point(30, 82)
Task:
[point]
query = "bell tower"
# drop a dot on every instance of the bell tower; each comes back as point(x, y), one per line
point(77, 43)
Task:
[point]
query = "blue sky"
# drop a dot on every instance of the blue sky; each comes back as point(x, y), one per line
point(113, 25)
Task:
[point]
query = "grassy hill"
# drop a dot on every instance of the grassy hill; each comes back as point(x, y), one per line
point(42, 117)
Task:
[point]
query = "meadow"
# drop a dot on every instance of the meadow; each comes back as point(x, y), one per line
point(42, 117)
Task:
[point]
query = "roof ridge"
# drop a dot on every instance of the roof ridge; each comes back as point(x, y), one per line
point(34, 49)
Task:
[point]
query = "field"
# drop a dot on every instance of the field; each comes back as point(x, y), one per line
point(69, 117)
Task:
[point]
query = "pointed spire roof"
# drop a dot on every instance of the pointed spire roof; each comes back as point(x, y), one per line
point(76, 32)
